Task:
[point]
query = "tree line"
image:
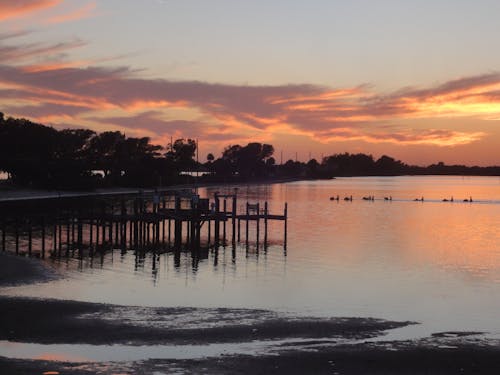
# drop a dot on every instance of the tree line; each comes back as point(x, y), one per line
point(36, 155)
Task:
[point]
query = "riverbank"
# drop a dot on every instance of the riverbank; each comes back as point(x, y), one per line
point(290, 345)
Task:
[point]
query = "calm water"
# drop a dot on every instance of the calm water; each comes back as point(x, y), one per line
point(433, 262)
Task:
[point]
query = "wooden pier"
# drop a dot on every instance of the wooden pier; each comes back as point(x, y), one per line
point(158, 221)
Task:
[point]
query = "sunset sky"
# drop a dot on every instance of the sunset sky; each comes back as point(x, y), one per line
point(418, 80)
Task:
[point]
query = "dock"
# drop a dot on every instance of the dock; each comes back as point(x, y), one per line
point(156, 221)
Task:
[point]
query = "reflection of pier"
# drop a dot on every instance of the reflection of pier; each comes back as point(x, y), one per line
point(145, 222)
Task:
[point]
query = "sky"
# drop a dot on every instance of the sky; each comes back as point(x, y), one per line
point(418, 80)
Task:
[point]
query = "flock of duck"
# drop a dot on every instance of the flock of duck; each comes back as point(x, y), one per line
point(389, 198)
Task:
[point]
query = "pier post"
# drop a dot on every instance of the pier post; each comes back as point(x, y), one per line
point(233, 218)
point(169, 231)
point(17, 236)
point(286, 224)
point(43, 237)
point(79, 236)
point(111, 230)
point(97, 229)
point(59, 235)
point(163, 230)
point(30, 238)
point(209, 223)
point(225, 221)
point(246, 223)
point(54, 238)
point(4, 228)
point(258, 224)
point(124, 226)
point(72, 215)
point(217, 222)
point(67, 236)
point(136, 226)
point(239, 230)
point(118, 223)
point(131, 232)
point(265, 224)
point(91, 230)
point(177, 224)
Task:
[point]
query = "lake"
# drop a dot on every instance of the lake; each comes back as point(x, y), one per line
point(432, 262)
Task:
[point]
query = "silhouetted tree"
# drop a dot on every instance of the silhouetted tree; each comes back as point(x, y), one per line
point(182, 154)
point(103, 153)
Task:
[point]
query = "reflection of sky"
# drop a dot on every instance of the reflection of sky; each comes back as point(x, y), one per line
point(433, 262)
point(290, 73)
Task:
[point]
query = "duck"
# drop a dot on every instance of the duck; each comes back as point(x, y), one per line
point(348, 198)
point(468, 200)
point(446, 200)
point(419, 199)
point(334, 198)
point(389, 198)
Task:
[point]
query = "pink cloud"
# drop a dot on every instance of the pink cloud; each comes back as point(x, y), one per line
point(322, 113)
point(19, 8)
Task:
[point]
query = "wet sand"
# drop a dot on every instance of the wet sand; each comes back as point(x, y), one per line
point(71, 322)
point(15, 270)
point(355, 360)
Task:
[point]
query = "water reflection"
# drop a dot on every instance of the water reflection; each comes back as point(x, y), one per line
point(434, 262)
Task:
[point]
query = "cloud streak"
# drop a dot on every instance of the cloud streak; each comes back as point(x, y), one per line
point(20, 8)
point(85, 11)
point(26, 52)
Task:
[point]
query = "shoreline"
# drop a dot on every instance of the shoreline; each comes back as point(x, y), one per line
point(23, 194)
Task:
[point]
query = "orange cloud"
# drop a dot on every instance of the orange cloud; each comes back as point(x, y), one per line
point(21, 8)
point(53, 66)
point(83, 12)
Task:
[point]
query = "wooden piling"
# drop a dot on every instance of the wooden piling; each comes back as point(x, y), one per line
point(4, 228)
point(265, 224)
point(54, 238)
point(16, 224)
point(30, 238)
point(246, 223)
point(59, 235)
point(225, 221)
point(43, 236)
point(233, 218)
point(79, 237)
point(91, 229)
point(258, 223)
point(67, 236)
point(217, 222)
point(285, 214)
point(239, 230)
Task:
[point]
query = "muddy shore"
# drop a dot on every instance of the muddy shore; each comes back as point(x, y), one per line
point(349, 359)
point(314, 346)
